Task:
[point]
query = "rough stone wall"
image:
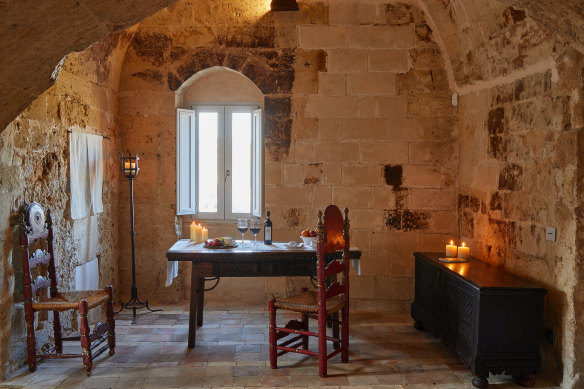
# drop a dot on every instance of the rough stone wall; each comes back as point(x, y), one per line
point(519, 121)
point(34, 166)
point(357, 113)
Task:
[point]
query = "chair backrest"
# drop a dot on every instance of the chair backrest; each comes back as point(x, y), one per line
point(333, 236)
point(36, 236)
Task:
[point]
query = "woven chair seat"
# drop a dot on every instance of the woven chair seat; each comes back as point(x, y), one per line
point(308, 302)
point(70, 300)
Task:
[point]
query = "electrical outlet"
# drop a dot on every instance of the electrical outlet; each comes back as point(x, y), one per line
point(550, 234)
point(549, 336)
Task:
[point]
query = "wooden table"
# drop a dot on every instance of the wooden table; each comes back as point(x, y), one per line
point(276, 260)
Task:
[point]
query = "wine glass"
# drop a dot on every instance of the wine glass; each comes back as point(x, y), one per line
point(242, 227)
point(255, 226)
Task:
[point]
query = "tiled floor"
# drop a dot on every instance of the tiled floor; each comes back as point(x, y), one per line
point(232, 351)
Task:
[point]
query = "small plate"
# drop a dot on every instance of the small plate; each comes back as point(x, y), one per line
point(294, 245)
point(221, 247)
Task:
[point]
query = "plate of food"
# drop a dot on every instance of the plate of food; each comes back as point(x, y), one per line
point(224, 242)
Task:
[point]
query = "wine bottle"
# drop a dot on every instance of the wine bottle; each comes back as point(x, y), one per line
point(268, 229)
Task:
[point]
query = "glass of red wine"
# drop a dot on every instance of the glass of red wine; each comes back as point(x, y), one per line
point(255, 226)
point(242, 227)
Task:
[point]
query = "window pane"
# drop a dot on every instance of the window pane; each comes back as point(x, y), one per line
point(241, 162)
point(208, 128)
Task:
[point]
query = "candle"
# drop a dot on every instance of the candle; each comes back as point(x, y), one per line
point(198, 233)
point(205, 234)
point(451, 249)
point(193, 231)
point(463, 251)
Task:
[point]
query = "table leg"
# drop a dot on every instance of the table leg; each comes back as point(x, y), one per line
point(200, 300)
point(193, 309)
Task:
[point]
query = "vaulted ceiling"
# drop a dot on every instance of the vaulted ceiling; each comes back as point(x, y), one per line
point(36, 35)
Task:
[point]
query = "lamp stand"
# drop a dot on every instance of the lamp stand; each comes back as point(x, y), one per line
point(134, 301)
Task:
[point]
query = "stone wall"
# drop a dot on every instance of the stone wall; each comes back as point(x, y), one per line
point(519, 120)
point(34, 166)
point(357, 113)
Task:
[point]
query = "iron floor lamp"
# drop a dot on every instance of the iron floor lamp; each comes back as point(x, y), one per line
point(130, 170)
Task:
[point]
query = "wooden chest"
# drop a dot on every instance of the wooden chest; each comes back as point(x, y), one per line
point(492, 318)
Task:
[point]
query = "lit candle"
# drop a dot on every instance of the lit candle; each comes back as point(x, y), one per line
point(205, 234)
point(198, 233)
point(451, 249)
point(463, 251)
point(192, 228)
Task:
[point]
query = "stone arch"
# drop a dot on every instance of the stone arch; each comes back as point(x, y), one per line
point(270, 70)
point(248, 90)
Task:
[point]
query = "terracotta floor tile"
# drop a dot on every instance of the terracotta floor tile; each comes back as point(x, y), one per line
point(232, 351)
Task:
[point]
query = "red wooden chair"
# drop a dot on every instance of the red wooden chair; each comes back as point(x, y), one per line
point(333, 235)
point(37, 234)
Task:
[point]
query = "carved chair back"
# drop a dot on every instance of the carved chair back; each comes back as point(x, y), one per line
point(333, 236)
point(36, 243)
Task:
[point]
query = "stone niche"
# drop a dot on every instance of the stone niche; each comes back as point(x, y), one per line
point(357, 113)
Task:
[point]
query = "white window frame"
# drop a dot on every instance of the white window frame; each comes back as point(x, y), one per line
point(188, 155)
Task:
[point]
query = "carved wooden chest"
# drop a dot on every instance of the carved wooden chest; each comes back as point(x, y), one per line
point(492, 318)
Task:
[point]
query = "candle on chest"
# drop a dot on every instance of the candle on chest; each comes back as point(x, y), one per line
point(451, 249)
point(463, 251)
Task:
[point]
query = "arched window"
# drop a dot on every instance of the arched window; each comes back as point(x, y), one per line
point(219, 146)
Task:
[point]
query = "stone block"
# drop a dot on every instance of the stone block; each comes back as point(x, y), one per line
point(422, 176)
point(389, 60)
point(332, 106)
point(393, 106)
point(372, 14)
point(344, 13)
point(401, 265)
point(351, 197)
point(333, 173)
point(371, 219)
point(436, 241)
point(346, 60)
point(382, 197)
point(328, 129)
point(400, 128)
point(304, 151)
point(383, 37)
point(288, 196)
point(332, 84)
point(376, 264)
point(305, 128)
point(368, 106)
point(433, 199)
point(338, 151)
point(443, 222)
point(379, 83)
point(402, 288)
point(322, 196)
point(384, 152)
point(322, 37)
point(360, 238)
point(362, 128)
point(314, 173)
point(362, 174)
point(293, 174)
point(361, 287)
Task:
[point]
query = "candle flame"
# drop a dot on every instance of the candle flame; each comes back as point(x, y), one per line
point(193, 223)
point(451, 242)
point(462, 244)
